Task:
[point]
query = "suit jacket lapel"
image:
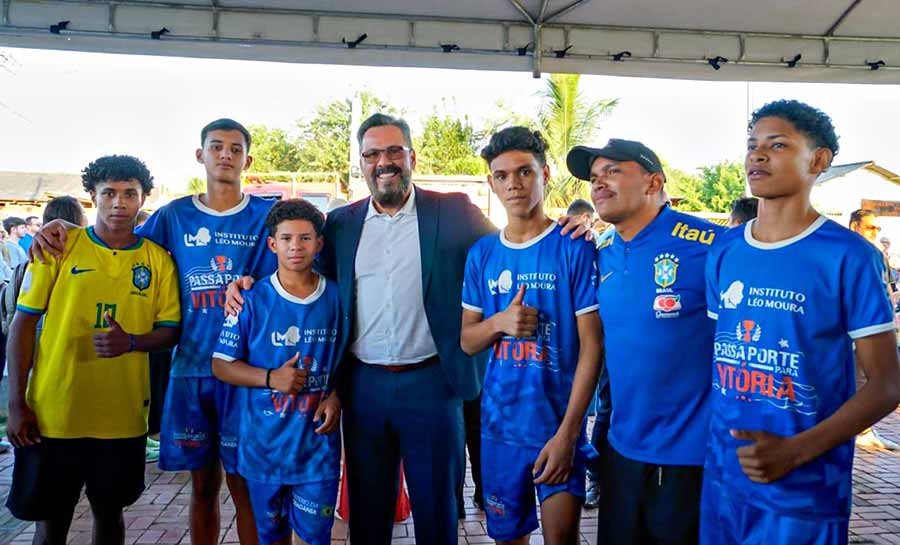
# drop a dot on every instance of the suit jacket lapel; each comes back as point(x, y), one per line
point(351, 245)
point(427, 212)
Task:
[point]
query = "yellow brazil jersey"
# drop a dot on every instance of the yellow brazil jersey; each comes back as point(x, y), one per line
point(73, 392)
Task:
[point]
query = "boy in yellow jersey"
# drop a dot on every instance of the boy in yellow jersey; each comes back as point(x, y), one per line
point(81, 418)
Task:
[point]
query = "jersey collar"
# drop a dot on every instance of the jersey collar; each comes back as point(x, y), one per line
point(748, 235)
point(198, 204)
point(661, 221)
point(98, 241)
point(528, 243)
point(311, 298)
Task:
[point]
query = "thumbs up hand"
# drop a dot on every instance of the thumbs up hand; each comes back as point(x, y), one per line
point(518, 320)
point(289, 379)
point(768, 457)
point(114, 342)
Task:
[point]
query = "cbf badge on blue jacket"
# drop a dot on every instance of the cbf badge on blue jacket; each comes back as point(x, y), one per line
point(658, 338)
point(787, 315)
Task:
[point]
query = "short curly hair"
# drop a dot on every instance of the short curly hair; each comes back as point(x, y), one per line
point(116, 168)
point(294, 209)
point(516, 139)
point(812, 122)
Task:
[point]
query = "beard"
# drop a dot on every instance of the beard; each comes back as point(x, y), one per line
point(391, 197)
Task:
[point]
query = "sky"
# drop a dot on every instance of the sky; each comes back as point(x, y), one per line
point(60, 110)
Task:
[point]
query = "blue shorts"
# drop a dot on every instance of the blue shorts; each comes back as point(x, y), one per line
point(307, 509)
point(509, 488)
point(727, 519)
point(199, 424)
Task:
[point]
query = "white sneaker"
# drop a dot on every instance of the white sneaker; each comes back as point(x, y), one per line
point(872, 439)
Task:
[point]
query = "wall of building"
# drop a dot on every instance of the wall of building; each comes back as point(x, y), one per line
point(839, 197)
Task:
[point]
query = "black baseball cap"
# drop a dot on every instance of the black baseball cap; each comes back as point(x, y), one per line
point(581, 158)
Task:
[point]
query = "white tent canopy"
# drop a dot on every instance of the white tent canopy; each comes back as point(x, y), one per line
point(824, 40)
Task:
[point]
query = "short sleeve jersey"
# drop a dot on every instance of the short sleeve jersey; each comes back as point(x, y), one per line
point(278, 442)
point(787, 314)
point(658, 338)
point(210, 249)
point(529, 380)
point(74, 392)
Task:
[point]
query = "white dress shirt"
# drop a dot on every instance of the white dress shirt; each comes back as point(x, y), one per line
point(391, 326)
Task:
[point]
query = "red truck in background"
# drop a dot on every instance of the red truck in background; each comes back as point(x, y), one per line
point(319, 188)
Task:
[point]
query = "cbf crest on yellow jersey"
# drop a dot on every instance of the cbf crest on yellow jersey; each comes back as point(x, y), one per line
point(73, 392)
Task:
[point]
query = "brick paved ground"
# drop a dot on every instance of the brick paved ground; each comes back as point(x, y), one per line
point(160, 516)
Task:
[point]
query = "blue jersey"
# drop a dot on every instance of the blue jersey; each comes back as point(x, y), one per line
point(210, 249)
point(658, 338)
point(787, 314)
point(278, 443)
point(528, 381)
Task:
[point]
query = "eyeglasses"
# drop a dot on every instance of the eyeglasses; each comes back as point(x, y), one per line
point(392, 153)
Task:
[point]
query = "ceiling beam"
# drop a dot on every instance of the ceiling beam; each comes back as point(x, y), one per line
point(843, 16)
point(562, 11)
point(203, 40)
point(523, 11)
point(542, 11)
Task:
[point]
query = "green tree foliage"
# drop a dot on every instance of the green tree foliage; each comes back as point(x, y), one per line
point(722, 184)
point(712, 189)
point(568, 119)
point(195, 186)
point(324, 142)
point(274, 150)
point(688, 188)
point(448, 146)
point(502, 116)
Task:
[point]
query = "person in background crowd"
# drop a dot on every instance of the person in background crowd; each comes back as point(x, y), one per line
point(5, 259)
point(893, 261)
point(659, 344)
point(65, 208)
point(15, 230)
point(792, 292)
point(742, 211)
point(32, 226)
point(78, 401)
point(5, 276)
point(581, 211)
point(864, 223)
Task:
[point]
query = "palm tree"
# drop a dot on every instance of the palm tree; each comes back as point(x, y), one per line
point(196, 186)
point(567, 119)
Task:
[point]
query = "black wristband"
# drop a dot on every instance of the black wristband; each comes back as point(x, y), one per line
point(268, 375)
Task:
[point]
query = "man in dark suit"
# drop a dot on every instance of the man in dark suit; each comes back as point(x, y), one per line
point(398, 258)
